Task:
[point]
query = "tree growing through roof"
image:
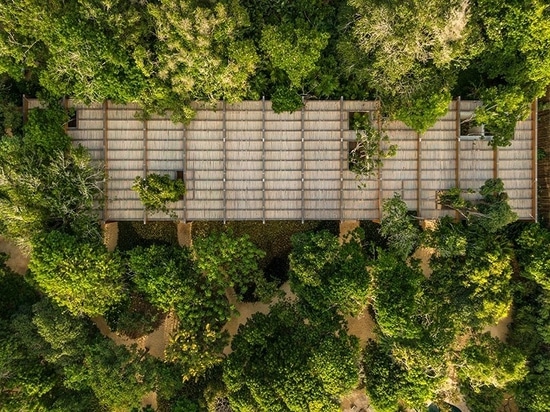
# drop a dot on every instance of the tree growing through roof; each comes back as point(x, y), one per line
point(367, 156)
point(156, 190)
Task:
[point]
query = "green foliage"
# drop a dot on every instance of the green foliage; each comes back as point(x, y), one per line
point(491, 214)
point(421, 113)
point(280, 363)
point(11, 116)
point(396, 296)
point(328, 275)
point(409, 54)
point(134, 316)
point(42, 190)
point(200, 55)
point(44, 129)
point(293, 50)
point(389, 383)
point(534, 256)
point(234, 261)
point(486, 361)
point(15, 291)
point(398, 227)
point(119, 377)
point(170, 280)
point(476, 287)
point(449, 238)
point(285, 99)
point(156, 190)
point(366, 158)
point(482, 399)
point(81, 276)
point(514, 62)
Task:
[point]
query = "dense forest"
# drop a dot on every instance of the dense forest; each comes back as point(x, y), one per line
point(430, 323)
point(413, 56)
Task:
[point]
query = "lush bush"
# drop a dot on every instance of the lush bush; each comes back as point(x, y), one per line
point(134, 316)
point(280, 363)
point(169, 279)
point(396, 291)
point(80, 276)
point(233, 261)
point(398, 227)
point(328, 275)
point(156, 190)
point(366, 157)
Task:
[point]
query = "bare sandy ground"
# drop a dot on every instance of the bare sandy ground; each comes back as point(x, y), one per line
point(18, 262)
point(347, 226)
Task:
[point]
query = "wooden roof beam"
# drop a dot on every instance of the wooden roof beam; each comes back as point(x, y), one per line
point(342, 159)
point(224, 161)
point(263, 159)
point(106, 160)
point(144, 162)
point(302, 134)
point(534, 154)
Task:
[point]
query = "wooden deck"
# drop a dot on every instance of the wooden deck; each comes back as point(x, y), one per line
point(245, 162)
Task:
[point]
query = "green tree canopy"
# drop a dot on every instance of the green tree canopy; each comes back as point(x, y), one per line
point(399, 227)
point(280, 363)
point(328, 275)
point(80, 276)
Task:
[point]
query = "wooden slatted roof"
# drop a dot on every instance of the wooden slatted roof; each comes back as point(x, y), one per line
point(245, 162)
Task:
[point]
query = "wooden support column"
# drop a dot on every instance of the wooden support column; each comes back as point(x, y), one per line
point(342, 158)
point(263, 159)
point(144, 166)
point(106, 159)
point(419, 175)
point(534, 165)
point(224, 137)
point(303, 159)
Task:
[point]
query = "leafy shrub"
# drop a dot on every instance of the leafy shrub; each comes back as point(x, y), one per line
point(83, 277)
point(134, 317)
point(366, 157)
point(286, 100)
point(156, 190)
point(281, 363)
point(44, 129)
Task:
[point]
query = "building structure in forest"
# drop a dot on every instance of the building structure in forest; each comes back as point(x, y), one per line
point(245, 162)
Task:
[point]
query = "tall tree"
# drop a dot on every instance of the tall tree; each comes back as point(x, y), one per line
point(327, 275)
point(80, 276)
point(280, 363)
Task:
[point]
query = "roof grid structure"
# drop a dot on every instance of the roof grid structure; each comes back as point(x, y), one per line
point(245, 162)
